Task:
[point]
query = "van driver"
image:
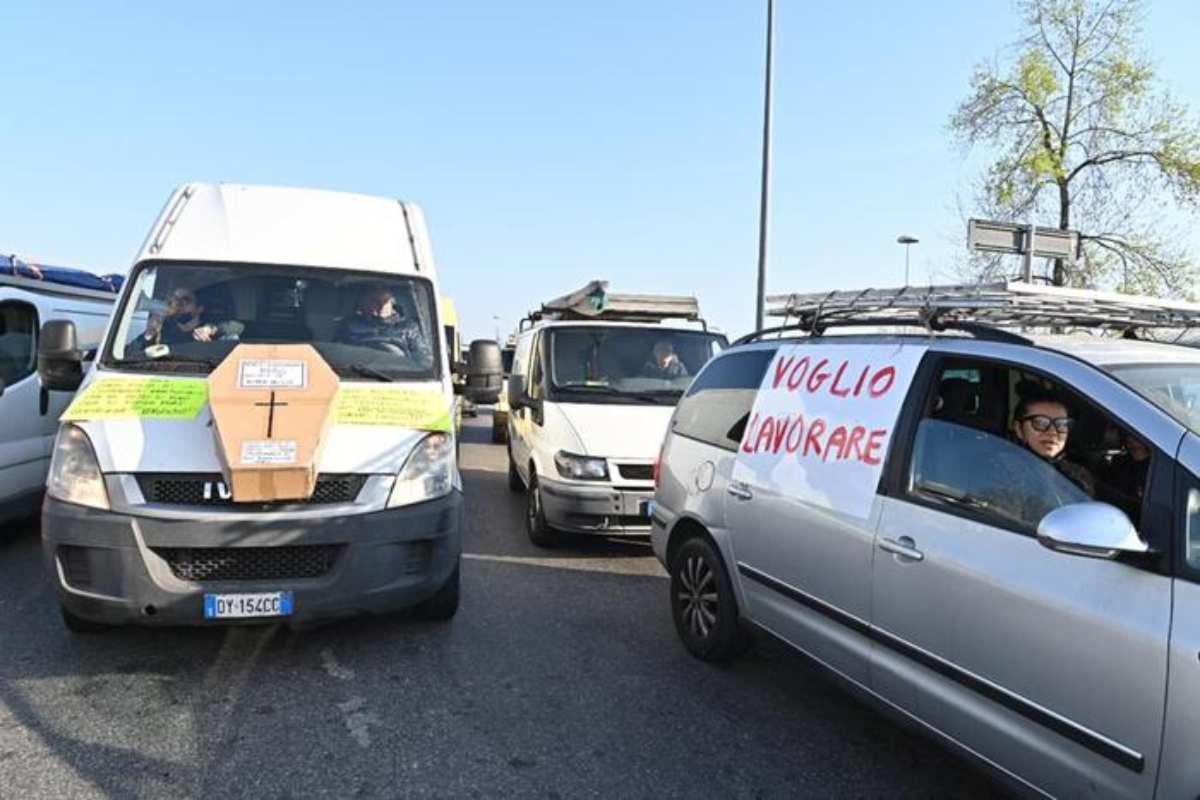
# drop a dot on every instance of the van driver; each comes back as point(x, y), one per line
point(1042, 423)
point(378, 323)
point(664, 363)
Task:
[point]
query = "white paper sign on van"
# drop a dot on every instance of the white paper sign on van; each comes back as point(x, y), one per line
point(268, 452)
point(822, 422)
point(255, 373)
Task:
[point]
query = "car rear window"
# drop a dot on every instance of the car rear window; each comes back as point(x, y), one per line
point(718, 403)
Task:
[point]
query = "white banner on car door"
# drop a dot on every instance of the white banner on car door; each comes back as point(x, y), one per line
point(823, 420)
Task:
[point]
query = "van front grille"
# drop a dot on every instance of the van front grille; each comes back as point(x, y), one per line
point(636, 472)
point(289, 562)
point(204, 489)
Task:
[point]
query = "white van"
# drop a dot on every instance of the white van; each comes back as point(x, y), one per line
point(594, 381)
point(142, 521)
point(29, 296)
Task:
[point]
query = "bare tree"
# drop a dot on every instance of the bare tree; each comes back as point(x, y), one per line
point(1083, 131)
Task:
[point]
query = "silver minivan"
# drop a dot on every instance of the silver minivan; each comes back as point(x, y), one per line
point(995, 535)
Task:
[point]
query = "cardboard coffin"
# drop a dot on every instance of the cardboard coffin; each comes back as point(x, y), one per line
point(272, 406)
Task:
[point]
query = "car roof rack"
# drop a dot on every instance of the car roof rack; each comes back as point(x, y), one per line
point(594, 302)
point(26, 274)
point(982, 309)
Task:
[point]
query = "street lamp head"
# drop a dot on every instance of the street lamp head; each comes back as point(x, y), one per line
point(907, 240)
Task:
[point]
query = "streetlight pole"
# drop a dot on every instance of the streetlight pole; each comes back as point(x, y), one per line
point(496, 319)
point(907, 241)
point(765, 200)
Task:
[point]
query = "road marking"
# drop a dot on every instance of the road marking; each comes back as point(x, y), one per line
point(632, 566)
point(358, 720)
point(331, 665)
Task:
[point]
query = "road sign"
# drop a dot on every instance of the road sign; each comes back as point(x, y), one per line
point(988, 236)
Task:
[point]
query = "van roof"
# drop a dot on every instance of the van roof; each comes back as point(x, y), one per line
point(588, 323)
point(238, 223)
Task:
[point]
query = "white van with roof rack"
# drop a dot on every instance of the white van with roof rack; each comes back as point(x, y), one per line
point(594, 379)
point(32, 294)
point(266, 434)
point(979, 505)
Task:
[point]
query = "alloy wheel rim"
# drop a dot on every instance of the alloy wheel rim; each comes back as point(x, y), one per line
point(697, 596)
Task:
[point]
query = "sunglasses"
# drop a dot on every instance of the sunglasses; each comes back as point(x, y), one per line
point(1042, 423)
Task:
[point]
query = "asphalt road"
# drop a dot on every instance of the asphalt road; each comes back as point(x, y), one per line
point(561, 676)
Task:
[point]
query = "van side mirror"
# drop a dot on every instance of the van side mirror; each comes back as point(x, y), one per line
point(1, 387)
point(516, 391)
point(485, 371)
point(60, 361)
point(1090, 529)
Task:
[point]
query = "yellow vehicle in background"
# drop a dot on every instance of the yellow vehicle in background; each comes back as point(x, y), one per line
point(452, 336)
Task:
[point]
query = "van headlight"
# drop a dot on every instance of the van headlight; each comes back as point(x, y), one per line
point(75, 475)
point(427, 474)
point(580, 468)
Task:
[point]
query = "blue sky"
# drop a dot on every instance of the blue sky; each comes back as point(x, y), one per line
point(549, 143)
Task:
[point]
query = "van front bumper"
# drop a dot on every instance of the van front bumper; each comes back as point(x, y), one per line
point(607, 510)
point(117, 568)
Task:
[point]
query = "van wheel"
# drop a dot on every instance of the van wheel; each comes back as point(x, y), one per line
point(514, 477)
point(703, 605)
point(540, 532)
point(443, 605)
point(80, 625)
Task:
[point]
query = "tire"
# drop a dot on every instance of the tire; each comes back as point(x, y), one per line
point(514, 478)
point(540, 532)
point(499, 434)
point(444, 604)
point(80, 625)
point(703, 605)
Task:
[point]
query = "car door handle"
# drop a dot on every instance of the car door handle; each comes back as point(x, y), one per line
point(740, 491)
point(904, 546)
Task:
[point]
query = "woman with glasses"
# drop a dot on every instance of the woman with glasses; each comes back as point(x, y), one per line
point(1042, 423)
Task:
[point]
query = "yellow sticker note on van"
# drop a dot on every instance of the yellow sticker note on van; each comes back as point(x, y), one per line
point(408, 408)
point(150, 398)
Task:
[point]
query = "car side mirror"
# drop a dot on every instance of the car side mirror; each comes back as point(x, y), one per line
point(1090, 529)
point(60, 361)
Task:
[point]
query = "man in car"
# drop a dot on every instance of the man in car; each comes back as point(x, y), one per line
point(1042, 423)
point(379, 324)
point(184, 321)
point(664, 363)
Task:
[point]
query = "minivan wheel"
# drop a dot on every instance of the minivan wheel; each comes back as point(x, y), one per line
point(540, 532)
point(702, 603)
point(443, 605)
point(77, 624)
point(514, 477)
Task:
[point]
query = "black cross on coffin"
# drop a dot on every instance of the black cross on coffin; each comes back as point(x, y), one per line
point(271, 405)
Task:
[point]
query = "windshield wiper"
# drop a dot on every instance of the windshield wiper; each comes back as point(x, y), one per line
point(609, 391)
point(365, 371)
point(173, 361)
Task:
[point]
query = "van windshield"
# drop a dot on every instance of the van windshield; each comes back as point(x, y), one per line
point(180, 317)
point(639, 364)
point(1175, 388)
